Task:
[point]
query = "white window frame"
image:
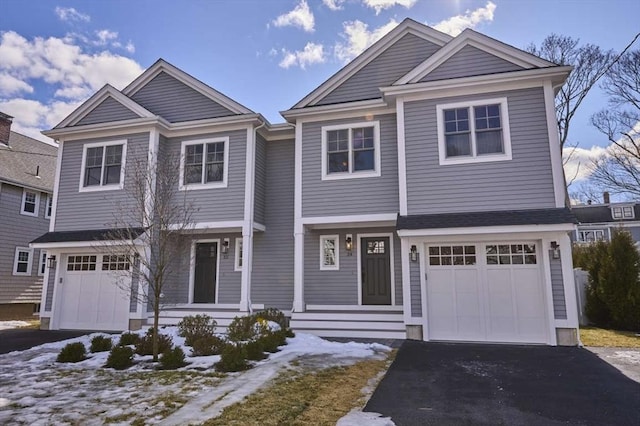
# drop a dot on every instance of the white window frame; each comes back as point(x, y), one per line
point(42, 263)
point(474, 158)
point(238, 254)
point(101, 187)
point(30, 261)
point(350, 174)
point(621, 214)
point(225, 171)
point(48, 205)
point(582, 234)
point(24, 199)
point(336, 239)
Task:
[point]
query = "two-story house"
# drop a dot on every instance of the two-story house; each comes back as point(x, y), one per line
point(27, 170)
point(416, 193)
point(596, 222)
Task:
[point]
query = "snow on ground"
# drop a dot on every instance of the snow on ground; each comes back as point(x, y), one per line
point(360, 418)
point(35, 390)
point(6, 325)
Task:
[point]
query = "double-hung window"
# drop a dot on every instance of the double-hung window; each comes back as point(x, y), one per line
point(623, 212)
point(42, 264)
point(49, 207)
point(22, 261)
point(329, 253)
point(475, 131)
point(351, 150)
point(103, 166)
point(204, 163)
point(30, 202)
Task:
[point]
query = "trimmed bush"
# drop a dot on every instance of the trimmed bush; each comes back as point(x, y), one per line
point(196, 327)
point(275, 315)
point(101, 344)
point(172, 359)
point(255, 350)
point(127, 339)
point(247, 328)
point(72, 352)
point(206, 346)
point(120, 358)
point(272, 340)
point(145, 345)
point(233, 358)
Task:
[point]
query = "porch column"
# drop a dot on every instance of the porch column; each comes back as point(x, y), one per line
point(298, 269)
point(406, 279)
point(247, 268)
point(143, 296)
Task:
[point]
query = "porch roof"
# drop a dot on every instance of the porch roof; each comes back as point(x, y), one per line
point(88, 235)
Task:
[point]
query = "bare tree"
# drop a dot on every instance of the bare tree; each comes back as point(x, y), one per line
point(155, 204)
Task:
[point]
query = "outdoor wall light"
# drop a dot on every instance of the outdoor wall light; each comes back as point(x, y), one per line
point(413, 254)
point(51, 262)
point(225, 248)
point(556, 250)
point(348, 244)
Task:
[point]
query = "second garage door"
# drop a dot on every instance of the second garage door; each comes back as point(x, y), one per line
point(486, 292)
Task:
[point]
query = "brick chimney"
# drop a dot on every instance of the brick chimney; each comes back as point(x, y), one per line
point(606, 197)
point(5, 128)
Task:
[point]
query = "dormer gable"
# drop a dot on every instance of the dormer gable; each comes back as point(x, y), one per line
point(622, 212)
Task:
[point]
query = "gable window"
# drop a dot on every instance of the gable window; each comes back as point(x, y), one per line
point(591, 236)
point(475, 131)
point(49, 207)
point(329, 256)
point(22, 261)
point(238, 264)
point(350, 151)
point(204, 163)
point(30, 202)
point(623, 212)
point(42, 265)
point(103, 166)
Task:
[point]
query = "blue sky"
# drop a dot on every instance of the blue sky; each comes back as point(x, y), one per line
point(265, 54)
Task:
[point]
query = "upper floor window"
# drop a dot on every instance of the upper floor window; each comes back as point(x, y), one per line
point(623, 212)
point(204, 163)
point(30, 202)
point(475, 131)
point(350, 151)
point(103, 166)
point(49, 207)
point(22, 261)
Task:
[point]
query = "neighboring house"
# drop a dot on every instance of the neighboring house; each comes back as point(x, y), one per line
point(416, 193)
point(27, 171)
point(596, 222)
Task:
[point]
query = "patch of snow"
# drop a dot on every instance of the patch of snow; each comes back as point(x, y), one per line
point(6, 325)
point(630, 356)
point(359, 418)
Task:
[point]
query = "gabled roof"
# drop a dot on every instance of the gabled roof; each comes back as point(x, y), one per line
point(601, 213)
point(90, 104)
point(23, 157)
point(407, 26)
point(468, 37)
point(163, 66)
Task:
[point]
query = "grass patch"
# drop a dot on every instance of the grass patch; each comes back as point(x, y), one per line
point(305, 398)
point(593, 336)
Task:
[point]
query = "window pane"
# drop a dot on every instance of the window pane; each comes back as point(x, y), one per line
point(215, 172)
point(113, 155)
point(193, 174)
point(338, 162)
point(94, 157)
point(363, 160)
point(362, 138)
point(92, 176)
point(458, 144)
point(329, 252)
point(22, 267)
point(111, 175)
point(489, 142)
point(30, 202)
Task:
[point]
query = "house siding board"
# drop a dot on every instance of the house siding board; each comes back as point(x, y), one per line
point(396, 61)
point(50, 285)
point(16, 230)
point(260, 180)
point(135, 288)
point(415, 289)
point(272, 277)
point(349, 196)
point(557, 288)
point(95, 210)
point(470, 61)
point(525, 182)
point(175, 101)
point(217, 204)
point(340, 287)
point(107, 111)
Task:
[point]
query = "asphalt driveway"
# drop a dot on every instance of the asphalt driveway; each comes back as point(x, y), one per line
point(19, 339)
point(475, 384)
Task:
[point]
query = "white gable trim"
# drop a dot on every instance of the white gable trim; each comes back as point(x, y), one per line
point(471, 38)
point(101, 95)
point(407, 26)
point(163, 66)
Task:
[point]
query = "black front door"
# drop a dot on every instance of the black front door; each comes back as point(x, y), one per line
point(376, 271)
point(204, 285)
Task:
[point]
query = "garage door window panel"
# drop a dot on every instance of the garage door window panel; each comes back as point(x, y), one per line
point(511, 254)
point(115, 263)
point(81, 263)
point(459, 255)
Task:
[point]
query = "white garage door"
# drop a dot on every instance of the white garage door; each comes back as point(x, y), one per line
point(488, 292)
point(92, 297)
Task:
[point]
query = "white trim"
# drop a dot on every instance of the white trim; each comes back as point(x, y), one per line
point(351, 174)
point(402, 158)
point(406, 280)
point(247, 226)
point(357, 109)
point(207, 185)
point(298, 229)
point(391, 265)
point(231, 225)
point(336, 252)
point(394, 308)
point(192, 266)
point(238, 257)
point(45, 287)
point(548, 289)
point(424, 300)
point(512, 229)
point(259, 227)
point(568, 278)
point(557, 171)
point(41, 264)
point(36, 210)
point(152, 169)
point(317, 220)
point(206, 309)
point(474, 157)
point(75, 244)
point(49, 200)
point(29, 261)
point(101, 186)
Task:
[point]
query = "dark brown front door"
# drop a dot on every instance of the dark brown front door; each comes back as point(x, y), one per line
point(204, 285)
point(376, 271)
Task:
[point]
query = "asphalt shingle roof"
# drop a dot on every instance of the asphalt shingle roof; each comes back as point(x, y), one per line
point(600, 213)
point(87, 235)
point(21, 158)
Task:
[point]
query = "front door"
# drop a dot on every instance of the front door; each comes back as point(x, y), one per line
point(204, 285)
point(376, 271)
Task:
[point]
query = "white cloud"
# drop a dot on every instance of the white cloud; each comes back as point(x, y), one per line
point(334, 4)
point(70, 14)
point(357, 38)
point(311, 54)
point(30, 117)
point(470, 19)
point(129, 47)
point(10, 85)
point(301, 16)
point(380, 5)
point(578, 161)
point(105, 37)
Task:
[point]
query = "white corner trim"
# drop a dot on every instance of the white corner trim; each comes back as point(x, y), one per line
point(298, 230)
point(402, 158)
point(247, 226)
point(152, 167)
point(336, 251)
point(182, 186)
point(123, 163)
point(351, 174)
point(554, 146)
point(36, 211)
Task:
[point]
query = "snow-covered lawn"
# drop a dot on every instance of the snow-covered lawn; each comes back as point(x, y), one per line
point(6, 325)
point(35, 390)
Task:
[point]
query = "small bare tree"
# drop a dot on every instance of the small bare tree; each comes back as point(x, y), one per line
point(154, 204)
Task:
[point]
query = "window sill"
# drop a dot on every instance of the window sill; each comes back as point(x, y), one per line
point(353, 175)
point(21, 274)
point(472, 160)
point(198, 186)
point(98, 188)
point(329, 268)
point(23, 213)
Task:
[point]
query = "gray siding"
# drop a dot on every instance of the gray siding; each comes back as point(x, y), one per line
point(272, 279)
point(521, 183)
point(341, 287)
point(174, 101)
point(470, 61)
point(217, 204)
point(51, 283)
point(18, 230)
point(349, 196)
point(416, 290)
point(260, 195)
point(108, 110)
point(95, 210)
point(135, 287)
point(557, 288)
point(396, 61)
